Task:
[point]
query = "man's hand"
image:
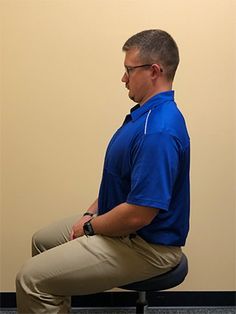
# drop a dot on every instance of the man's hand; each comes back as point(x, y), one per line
point(77, 229)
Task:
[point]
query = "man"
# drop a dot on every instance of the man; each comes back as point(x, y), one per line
point(136, 227)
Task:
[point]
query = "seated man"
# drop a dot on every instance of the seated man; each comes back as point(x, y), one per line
point(134, 230)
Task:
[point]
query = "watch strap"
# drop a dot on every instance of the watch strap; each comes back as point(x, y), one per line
point(88, 214)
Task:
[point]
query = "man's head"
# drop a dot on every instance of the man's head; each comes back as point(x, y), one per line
point(156, 46)
point(151, 61)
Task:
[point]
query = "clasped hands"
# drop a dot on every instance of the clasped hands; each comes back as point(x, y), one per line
point(77, 229)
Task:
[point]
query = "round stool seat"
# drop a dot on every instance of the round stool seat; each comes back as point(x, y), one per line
point(162, 282)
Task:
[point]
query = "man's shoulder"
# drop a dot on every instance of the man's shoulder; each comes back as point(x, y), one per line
point(163, 117)
point(167, 119)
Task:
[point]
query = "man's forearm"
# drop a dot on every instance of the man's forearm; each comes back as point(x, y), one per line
point(77, 228)
point(123, 220)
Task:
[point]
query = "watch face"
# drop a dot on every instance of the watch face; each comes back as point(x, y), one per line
point(88, 229)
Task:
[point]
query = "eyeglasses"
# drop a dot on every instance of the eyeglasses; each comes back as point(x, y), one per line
point(129, 69)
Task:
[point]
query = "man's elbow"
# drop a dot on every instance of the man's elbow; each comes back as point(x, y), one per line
point(140, 221)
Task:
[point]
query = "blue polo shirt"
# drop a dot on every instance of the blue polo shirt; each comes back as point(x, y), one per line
point(147, 163)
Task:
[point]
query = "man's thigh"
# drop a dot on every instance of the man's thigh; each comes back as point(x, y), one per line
point(86, 265)
point(53, 235)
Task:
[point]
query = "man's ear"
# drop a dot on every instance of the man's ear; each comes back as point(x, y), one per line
point(156, 71)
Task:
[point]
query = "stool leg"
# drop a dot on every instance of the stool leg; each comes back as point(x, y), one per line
point(142, 303)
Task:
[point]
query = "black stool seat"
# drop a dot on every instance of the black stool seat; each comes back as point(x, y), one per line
point(171, 279)
point(162, 282)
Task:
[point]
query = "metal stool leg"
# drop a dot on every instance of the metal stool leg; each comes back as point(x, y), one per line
point(142, 304)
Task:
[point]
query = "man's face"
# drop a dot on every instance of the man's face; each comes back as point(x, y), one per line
point(137, 80)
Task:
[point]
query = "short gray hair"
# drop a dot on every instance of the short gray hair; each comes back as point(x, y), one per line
point(156, 46)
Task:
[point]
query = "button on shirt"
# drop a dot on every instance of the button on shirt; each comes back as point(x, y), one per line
point(147, 164)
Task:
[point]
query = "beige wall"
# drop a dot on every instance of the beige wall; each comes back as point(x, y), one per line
point(62, 98)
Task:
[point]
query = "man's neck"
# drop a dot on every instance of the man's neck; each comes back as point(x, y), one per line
point(164, 88)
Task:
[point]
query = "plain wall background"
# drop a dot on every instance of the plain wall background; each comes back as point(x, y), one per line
point(62, 99)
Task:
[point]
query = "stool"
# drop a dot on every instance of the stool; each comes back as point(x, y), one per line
point(162, 282)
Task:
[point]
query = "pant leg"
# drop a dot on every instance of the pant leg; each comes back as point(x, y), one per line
point(53, 235)
point(84, 266)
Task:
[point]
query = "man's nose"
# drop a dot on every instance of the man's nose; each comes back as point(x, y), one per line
point(124, 78)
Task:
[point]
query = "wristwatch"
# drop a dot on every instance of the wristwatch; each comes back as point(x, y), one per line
point(88, 228)
point(88, 214)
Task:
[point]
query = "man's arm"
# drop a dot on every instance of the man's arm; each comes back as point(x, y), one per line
point(79, 224)
point(121, 220)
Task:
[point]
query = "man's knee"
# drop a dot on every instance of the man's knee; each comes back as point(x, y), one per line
point(40, 242)
point(24, 278)
point(36, 244)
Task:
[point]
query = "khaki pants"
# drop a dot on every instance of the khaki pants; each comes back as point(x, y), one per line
point(60, 268)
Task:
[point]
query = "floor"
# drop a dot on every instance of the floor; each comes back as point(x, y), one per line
point(164, 310)
point(160, 311)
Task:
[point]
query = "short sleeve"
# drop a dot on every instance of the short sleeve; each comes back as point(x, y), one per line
point(155, 164)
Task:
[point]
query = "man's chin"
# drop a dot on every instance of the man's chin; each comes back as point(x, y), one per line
point(132, 97)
